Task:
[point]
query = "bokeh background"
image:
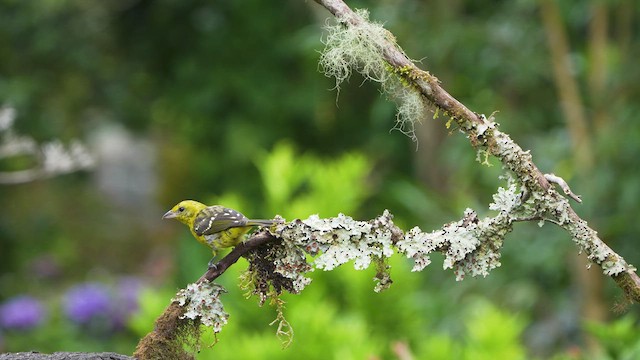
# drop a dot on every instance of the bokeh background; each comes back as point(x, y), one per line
point(113, 111)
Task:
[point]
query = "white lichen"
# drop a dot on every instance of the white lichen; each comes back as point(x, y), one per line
point(461, 240)
point(506, 200)
point(469, 246)
point(291, 263)
point(486, 256)
point(612, 268)
point(338, 240)
point(597, 251)
point(202, 301)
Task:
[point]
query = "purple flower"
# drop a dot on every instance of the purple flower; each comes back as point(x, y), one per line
point(21, 313)
point(87, 301)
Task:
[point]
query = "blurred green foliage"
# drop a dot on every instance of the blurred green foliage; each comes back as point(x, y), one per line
point(299, 186)
point(619, 338)
point(222, 102)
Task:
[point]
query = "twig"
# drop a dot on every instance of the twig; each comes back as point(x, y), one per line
point(241, 249)
point(552, 178)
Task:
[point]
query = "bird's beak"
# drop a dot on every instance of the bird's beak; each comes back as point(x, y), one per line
point(169, 215)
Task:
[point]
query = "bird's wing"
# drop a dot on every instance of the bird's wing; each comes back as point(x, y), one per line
point(217, 218)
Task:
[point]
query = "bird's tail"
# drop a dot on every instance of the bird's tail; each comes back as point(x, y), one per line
point(261, 222)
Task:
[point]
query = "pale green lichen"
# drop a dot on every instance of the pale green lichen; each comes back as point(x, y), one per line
point(355, 48)
point(284, 331)
point(202, 301)
point(412, 110)
point(291, 262)
point(506, 200)
point(338, 240)
point(597, 251)
point(360, 48)
point(469, 246)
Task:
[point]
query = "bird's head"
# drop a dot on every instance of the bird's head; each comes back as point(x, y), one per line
point(184, 211)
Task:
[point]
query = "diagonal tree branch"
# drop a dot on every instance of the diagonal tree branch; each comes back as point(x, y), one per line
point(240, 250)
point(483, 134)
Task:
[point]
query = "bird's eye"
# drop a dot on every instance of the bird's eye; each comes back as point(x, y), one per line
point(181, 209)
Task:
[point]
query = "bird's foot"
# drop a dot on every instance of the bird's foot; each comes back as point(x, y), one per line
point(212, 264)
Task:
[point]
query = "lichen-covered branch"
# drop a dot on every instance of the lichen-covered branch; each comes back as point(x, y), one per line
point(280, 258)
point(481, 131)
point(333, 242)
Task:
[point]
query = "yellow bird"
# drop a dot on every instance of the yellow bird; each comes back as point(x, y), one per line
point(214, 226)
